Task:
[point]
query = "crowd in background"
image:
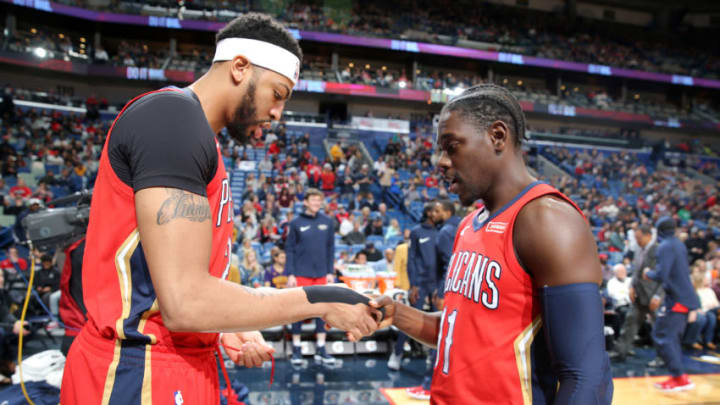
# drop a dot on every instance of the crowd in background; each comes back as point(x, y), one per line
point(46, 154)
point(503, 28)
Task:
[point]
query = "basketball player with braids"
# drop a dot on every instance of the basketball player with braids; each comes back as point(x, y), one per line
point(159, 239)
point(523, 320)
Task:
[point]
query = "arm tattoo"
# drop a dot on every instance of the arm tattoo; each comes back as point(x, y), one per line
point(182, 204)
point(256, 292)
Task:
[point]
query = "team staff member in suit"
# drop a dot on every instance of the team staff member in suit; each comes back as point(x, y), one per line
point(523, 318)
point(680, 298)
point(160, 236)
point(421, 269)
point(645, 295)
point(310, 250)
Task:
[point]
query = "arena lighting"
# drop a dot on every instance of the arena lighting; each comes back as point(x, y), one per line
point(40, 52)
point(402, 84)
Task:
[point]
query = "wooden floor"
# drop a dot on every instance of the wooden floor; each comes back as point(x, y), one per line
point(628, 391)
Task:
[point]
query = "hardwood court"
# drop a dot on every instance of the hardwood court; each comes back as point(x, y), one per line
point(628, 391)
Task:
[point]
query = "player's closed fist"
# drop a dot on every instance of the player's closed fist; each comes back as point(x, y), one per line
point(247, 349)
point(387, 303)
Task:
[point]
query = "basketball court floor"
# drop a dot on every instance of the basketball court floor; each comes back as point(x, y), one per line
point(365, 379)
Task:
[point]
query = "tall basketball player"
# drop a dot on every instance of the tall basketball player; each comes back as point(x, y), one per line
point(523, 320)
point(158, 243)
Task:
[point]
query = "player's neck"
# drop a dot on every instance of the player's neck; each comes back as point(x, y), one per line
point(509, 183)
point(206, 89)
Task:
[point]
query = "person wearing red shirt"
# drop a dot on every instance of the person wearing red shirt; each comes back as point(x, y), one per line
point(21, 189)
point(327, 179)
point(431, 181)
point(273, 149)
point(313, 171)
point(13, 261)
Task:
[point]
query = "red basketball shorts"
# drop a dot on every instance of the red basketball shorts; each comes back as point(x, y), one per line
point(104, 372)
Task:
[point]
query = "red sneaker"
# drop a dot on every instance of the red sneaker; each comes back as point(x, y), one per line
point(418, 392)
point(681, 383)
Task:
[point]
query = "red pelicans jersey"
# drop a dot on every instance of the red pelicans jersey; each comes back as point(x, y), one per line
point(490, 346)
point(118, 292)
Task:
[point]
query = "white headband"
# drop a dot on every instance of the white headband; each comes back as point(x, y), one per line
point(260, 53)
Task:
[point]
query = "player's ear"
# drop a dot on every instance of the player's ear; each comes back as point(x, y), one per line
point(499, 134)
point(239, 69)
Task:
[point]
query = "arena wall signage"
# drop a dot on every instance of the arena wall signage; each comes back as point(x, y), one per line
point(398, 45)
point(316, 86)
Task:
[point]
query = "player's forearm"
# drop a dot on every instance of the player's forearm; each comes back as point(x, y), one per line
point(217, 305)
point(419, 325)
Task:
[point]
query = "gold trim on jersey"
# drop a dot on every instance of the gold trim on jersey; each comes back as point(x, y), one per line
point(122, 266)
point(110, 378)
point(523, 344)
point(146, 393)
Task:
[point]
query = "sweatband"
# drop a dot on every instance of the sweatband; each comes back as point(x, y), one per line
point(332, 294)
point(260, 53)
point(573, 322)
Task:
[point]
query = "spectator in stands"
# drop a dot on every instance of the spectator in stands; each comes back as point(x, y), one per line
point(696, 244)
point(336, 154)
point(356, 237)
point(310, 249)
point(42, 193)
point(362, 180)
point(47, 283)
point(360, 258)
point(268, 230)
point(327, 179)
point(357, 203)
point(372, 253)
point(21, 189)
point(386, 264)
point(265, 165)
point(701, 333)
point(411, 194)
point(375, 227)
point(13, 262)
point(347, 225)
point(285, 199)
point(275, 273)
point(383, 213)
point(393, 229)
point(369, 202)
point(346, 182)
point(618, 289)
point(4, 189)
point(251, 272)
point(8, 334)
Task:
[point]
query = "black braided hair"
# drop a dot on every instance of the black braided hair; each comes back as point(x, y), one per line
point(487, 103)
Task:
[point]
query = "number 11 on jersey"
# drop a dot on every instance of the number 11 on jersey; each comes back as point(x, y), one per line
point(445, 355)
